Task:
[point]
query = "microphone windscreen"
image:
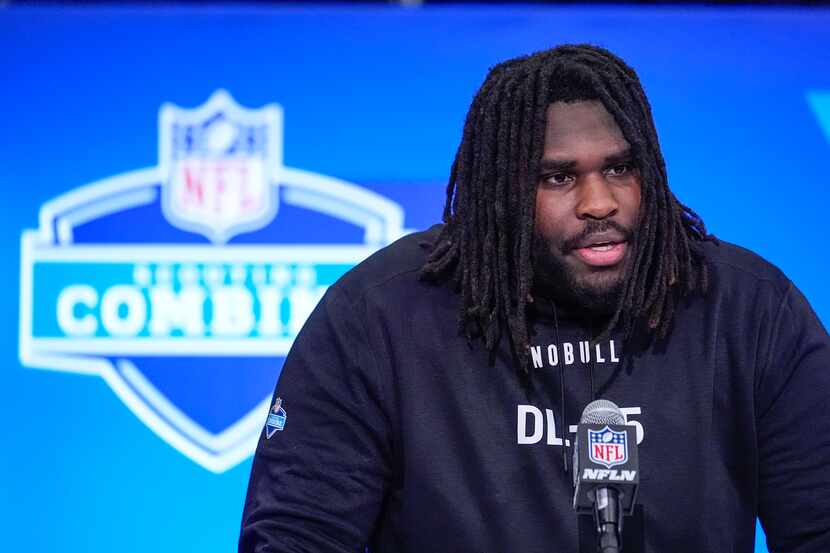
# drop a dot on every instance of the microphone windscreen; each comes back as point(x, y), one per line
point(602, 411)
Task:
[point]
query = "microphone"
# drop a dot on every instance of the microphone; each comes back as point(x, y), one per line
point(606, 471)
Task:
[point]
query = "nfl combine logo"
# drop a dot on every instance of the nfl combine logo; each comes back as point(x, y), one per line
point(276, 419)
point(608, 447)
point(183, 285)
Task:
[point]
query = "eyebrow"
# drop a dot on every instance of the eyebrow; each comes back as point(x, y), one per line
point(551, 164)
point(619, 157)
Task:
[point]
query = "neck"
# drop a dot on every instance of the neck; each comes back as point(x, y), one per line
point(569, 309)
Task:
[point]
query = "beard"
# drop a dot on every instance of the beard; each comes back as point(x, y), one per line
point(597, 296)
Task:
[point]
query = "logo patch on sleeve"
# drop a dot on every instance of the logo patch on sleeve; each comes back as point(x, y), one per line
point(276, 419)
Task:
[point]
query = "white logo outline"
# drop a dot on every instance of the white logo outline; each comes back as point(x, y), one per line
point(381, 219)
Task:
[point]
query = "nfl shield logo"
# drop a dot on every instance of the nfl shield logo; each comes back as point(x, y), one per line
point(221, 164)
point(608, 447)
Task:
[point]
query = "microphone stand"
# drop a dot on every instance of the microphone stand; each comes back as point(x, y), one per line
point(608, 515)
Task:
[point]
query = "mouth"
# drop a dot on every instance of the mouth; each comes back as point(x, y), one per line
point(602, 254)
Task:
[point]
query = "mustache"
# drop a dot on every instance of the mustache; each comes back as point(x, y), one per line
point(593, 227)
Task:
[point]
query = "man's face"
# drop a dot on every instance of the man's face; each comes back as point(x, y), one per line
point(587, 204)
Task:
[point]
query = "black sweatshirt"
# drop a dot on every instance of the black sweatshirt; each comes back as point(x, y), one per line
point(400, 435)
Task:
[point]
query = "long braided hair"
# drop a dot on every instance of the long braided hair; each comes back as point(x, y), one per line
point(485, 247)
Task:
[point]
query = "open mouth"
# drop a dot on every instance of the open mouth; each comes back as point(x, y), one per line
point(602, 254)
point(603, 247)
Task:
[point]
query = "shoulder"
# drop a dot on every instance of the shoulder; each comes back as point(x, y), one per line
point(732, 266)
point(398, 264)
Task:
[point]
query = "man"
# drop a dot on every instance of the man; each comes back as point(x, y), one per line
point(427, 404)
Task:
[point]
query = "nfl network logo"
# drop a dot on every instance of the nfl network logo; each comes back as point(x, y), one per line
point(180, 285)
point(608, 447)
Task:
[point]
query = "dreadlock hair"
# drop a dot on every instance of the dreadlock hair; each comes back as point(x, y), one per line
point(485, 246)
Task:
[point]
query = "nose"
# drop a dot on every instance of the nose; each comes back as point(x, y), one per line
point(596, 200)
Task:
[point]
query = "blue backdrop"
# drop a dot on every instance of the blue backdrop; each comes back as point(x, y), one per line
point(135, 434)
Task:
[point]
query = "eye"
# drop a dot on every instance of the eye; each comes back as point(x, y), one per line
point(558, 179)
point(619, 170)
